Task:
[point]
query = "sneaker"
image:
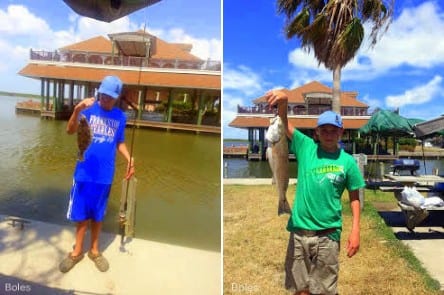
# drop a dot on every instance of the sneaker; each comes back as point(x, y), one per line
point(100, 261)
point(69, 262)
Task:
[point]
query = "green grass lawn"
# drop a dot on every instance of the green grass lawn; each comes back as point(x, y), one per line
point(255, 242)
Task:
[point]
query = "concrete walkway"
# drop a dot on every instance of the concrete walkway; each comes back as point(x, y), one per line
point(428, 246)
point(426, 242)
point(30, 258)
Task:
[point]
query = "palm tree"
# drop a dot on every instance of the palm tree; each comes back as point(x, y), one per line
point(334, 29)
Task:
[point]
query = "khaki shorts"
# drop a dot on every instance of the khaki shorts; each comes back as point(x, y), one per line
point(312, 264)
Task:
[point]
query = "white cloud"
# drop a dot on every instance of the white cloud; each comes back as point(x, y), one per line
point(203, 48)
point(83, 28)
point(408, 41)
point(17, 20)
point(88, 27)
point(228, 116)
point(240, 86)
point(303, 59)
point(307, 68)
point(417, 95)
point(230, 103)
point(242, 79)
point(372, 102)
point(302, 77)
point(21, 30)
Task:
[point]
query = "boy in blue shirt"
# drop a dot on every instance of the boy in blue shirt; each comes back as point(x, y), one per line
point(94, 175)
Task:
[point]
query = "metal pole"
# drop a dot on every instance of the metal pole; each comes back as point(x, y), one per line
point(361, 160)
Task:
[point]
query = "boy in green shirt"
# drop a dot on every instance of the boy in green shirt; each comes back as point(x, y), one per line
point(324, 172)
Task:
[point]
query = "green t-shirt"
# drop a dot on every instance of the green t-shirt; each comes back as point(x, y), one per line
point(322, 178)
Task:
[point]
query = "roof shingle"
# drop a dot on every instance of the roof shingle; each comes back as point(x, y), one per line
point(160, 49)
point(97, 44)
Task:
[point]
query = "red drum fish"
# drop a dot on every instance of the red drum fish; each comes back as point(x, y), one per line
point(277, 153)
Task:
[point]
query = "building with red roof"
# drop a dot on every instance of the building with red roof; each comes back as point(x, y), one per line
point(164, 80)
point(305, 104)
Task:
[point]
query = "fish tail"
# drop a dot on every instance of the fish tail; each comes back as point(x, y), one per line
point(273, 180)
point(283, 207)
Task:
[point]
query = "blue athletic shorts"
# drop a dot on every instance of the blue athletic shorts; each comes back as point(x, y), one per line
point(88, 200)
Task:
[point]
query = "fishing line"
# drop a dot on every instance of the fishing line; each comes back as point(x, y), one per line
point(135, 109)
point(423, 156)
point(122, 213)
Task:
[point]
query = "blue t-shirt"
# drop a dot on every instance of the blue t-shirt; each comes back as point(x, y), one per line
point(108, 130)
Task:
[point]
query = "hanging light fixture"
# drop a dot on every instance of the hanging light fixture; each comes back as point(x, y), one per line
point(107, 10)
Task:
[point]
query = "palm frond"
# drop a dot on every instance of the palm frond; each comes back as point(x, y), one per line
point(333, 29)
point(299, 24)
point(379, 13)
point(346, 45)
point(367, 9)
point(316, 6)
point(351, 38)
point(340, 14)
point(319, 37)
point(288, 7)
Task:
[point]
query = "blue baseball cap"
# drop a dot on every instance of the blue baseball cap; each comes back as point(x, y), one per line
point(112, 86)
point(330, 118)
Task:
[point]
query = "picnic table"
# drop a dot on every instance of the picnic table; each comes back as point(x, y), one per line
point(422, 183)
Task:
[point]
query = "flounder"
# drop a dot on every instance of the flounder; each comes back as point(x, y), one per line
point(84, 136)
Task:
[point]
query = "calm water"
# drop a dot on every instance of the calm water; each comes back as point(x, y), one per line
point(242, 168)
point(178, 190)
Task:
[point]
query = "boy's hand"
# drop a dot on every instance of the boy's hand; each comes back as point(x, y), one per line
point(276, 97)
point(130, 171)
point(353, 243)
point(86, 103)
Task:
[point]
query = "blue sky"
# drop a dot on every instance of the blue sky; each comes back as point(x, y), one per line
point(51, 24)
point(405, 69)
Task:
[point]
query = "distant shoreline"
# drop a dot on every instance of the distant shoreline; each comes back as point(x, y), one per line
point(17, 94)
point(235, 140)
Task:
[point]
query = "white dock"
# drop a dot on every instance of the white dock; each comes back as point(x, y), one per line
point(30, 258)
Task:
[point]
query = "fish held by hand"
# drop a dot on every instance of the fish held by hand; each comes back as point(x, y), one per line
point(277, 154)
point(84, 136)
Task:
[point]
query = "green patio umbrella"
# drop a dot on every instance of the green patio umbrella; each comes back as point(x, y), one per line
point(387, 123)
point(384, 123)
